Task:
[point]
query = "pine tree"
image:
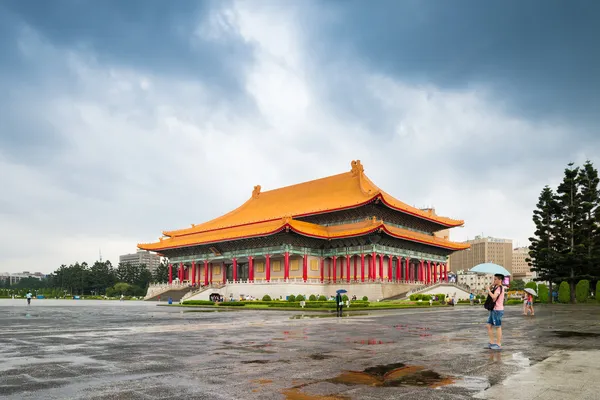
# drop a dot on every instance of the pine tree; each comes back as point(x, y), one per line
point(569, 228)
point(589, 234)
point(542, 256)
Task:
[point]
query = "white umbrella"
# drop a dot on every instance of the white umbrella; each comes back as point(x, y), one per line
point(531, 291)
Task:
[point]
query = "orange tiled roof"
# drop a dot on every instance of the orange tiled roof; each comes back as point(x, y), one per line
point(303, 228)
point(347, 190)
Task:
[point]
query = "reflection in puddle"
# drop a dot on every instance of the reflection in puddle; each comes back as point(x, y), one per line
point(372, 342)
point(391, 375)
point(569, 334)
point(296, 394)
point(329, 315)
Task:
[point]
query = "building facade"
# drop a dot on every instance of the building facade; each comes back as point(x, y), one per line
point(477, 283)
point(14, 277)
point(521, 268)
point(141, 257)
point(340, 228)
point(482, 250)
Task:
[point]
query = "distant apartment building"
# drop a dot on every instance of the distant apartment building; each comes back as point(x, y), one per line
point(483, 249)
point(151, 260)
point(520, 268)
point(15, 277)
point(476, 282)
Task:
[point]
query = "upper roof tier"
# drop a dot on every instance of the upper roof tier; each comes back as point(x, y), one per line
point(333, 193)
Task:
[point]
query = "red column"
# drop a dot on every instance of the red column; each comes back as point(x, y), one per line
point(373, 266)
point(193, 272)
point(406, 276)
point(355, 257)
point(206, 272)
point(333, 261)
point(322, 269)
point(180, 272)
point(223, 273)
point(305, 268)
point(234, 269)
point(428, 272)
point(446, 272)
point(286, 266)
point(341, 269)
point(251, 269)
point(422, 271)
point(170, 274)
point(348, 268)
point(362, 267)
point(398, 261)
point(268, 268)
point(390, 266)
point(435, 277)
point(381, 267)
point(210, 271)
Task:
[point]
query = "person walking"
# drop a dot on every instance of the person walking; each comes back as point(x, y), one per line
point(472, 298)
point(29, 295)
point(495, 305)
point(339, 304)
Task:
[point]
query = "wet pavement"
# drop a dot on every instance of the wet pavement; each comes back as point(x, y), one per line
point(135, 350)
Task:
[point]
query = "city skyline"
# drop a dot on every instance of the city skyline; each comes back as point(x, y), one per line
point(126, 119)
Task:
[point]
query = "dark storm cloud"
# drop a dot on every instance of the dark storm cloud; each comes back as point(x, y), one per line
point(540, 57)
point(151, 35)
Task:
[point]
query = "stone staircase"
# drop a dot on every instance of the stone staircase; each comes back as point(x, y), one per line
point(175, 291)
point(192, 293)
point(424, 288)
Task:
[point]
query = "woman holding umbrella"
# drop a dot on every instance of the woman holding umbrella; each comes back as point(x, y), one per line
point(529, 293)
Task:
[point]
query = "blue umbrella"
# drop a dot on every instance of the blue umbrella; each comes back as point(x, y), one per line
point(341, 291)
point(490, 268)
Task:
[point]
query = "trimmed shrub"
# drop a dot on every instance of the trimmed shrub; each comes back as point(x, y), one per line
point(232, 304)
point(322, 298)
point(543, 293)
point(300, 298)
point(291, 298)
point(564, 293)
point(199, 303)
point(582, 290)
point(441, 297)
point(598, 291)
point(312, 297)
point(531, 285)
point(513, 302)
point(344, 298)
point(266, 297)
point(365, 298)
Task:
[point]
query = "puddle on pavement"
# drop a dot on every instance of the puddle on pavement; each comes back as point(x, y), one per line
point(256, 362)
point(392, 375)
point(204, 311)
point(570, 334)
point(307, 316)
point(320, 356)
point(296, 394)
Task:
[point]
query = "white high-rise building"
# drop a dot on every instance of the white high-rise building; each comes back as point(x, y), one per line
point(151, 260)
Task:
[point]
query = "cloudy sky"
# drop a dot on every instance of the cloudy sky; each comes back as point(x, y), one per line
point(122, 119)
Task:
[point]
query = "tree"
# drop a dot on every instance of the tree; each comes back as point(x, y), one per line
point(532, 285)
point(542, 255)
point(517, 284)
point(564, 295)
point(161, 274)
point(582, 290)
point(542, 293)
point(102, 276)
point(588, 239)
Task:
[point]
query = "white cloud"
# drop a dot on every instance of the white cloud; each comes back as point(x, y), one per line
point(148, 152)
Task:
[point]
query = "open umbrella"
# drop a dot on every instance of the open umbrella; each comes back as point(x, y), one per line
point(531, 291)
point(341, 291)
point(490, 268)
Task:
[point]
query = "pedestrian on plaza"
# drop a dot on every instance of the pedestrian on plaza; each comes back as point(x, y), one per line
point(339, 304)
point(529, 304)
point(495, 305)
point(29, 295)
point(472, 298)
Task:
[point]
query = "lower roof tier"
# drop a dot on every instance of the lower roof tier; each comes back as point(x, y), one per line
point(303, 228)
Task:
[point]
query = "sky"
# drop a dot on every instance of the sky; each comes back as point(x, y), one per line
point(119, 120)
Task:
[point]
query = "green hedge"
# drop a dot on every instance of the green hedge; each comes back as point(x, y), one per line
point(598, 291)
point(582, 290)
point(266, 297)
point(199, 302)
point(232, 304)
point(318, 304)
point(543, 293)
point(564, 293)
point(513, 302)
point(312, 297)
point(323, 298)
point(365, 298)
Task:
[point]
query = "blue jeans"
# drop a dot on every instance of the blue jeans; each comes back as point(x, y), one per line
point(495, 318)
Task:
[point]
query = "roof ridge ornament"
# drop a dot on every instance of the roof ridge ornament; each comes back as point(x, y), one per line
point(256, 191)
point(357, 168)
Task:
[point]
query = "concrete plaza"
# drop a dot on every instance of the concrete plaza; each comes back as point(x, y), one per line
point(130, 350)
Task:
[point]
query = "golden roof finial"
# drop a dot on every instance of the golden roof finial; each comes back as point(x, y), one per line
point(357, 167)
point(256, 191)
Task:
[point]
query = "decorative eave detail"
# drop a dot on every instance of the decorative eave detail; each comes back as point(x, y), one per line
point(308, 229)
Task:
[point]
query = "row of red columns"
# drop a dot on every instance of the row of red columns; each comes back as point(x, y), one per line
point(425, 272)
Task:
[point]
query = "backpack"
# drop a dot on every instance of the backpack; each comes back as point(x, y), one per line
point(489, 302)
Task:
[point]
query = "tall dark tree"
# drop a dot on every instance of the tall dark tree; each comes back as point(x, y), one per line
point(569, 228)
point(588, 237)
point(161, 274)
point(542, 254)
point(102, 276)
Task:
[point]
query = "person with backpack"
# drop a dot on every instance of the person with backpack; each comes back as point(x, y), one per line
point(495, 305)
